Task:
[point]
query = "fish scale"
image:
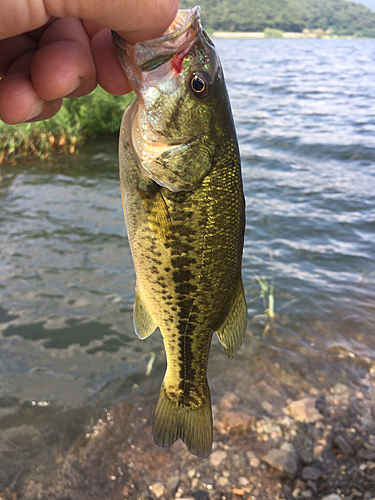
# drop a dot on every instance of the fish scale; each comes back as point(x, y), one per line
point(184, 211)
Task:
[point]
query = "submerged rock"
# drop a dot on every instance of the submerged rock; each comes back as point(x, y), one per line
point(311, 473)
point(217, 457)
point(284, 461)
point(303, 410)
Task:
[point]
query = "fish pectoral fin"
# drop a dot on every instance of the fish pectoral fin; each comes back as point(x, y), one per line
point(157, 211)
point(233, 328)
point(144, 324)
point(175, 420)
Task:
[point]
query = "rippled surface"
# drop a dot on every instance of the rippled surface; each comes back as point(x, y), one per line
point(305, 116)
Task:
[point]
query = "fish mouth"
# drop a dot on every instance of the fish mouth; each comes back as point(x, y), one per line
point(179, 37)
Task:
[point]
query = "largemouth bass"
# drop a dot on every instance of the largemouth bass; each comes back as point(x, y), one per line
point(184, 211)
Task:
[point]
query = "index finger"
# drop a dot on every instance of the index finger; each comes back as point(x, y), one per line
point(134, 20)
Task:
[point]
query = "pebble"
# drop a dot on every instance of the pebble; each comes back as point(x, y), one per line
point(267, 406)
point(237, 491)
point(191, 473)
point(243, 481)
point(332, 497)
point(207, 483)
point(343, 444)
point(222, 482)
point(303, 410)
point(288, 447)
point(270, 427)
point(339, 389)
point(311, 473)
point(172, 482)
point(231, 421)
point(157, 489)
point(254, 461)
point(283, 461)
point(195, 482)
point(228, 401)
point(217, 457)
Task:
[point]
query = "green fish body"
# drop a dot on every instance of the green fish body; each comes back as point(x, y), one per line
point(184, 211)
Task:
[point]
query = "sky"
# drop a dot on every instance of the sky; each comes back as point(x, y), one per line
point(368, 3)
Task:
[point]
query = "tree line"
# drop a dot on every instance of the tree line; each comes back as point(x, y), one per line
point(343, 17)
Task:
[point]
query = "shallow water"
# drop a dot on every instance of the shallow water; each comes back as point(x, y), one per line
point(305, 117)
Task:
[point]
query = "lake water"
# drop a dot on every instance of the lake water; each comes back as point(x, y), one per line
point(305, 117)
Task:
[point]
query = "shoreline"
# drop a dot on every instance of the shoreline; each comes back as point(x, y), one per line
point(321, 446)
point(285, 34)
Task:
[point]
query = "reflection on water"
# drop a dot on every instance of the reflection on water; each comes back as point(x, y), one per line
point(305, 115)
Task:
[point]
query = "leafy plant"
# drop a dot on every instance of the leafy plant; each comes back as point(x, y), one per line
point(97, 113)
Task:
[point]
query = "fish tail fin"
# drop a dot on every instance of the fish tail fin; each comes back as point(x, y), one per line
point(176, 420)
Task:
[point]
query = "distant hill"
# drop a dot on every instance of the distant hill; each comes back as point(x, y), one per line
point(343, 17)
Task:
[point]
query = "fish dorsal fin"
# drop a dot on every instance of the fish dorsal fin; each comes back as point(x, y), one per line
point(144, 324)
point(233, 328)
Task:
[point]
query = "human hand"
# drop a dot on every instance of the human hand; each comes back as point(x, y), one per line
point(50, 49)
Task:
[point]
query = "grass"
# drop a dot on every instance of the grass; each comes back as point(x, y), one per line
point(266, 294)
point(97, 113)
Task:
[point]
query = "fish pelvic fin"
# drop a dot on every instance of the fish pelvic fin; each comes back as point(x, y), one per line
point(233, 328)
point(177, 420)
point(144, 324)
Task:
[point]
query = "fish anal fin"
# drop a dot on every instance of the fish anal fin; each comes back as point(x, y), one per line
point(144, 324)
point(175, 420)
point(233, 328)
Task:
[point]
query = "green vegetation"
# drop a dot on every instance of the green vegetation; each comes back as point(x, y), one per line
point(272, 33)
point(97, 113)
point(267, 294)
point(343, 17)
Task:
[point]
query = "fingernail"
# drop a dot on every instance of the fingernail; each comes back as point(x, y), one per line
point(74, 87)
point(37, 109)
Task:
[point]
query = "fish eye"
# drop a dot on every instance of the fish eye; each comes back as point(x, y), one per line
point(200, 85)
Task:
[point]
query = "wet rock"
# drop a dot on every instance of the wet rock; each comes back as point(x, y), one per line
point(222, 482)
point(173, 482)
point(284, 461)
point(254, 461)
point(191, 473)
point(296, 493)
point(243, 481)
point(313, 486)
point(366, 454)
point(237, 422)
point(288, 447)
point(339, 389)
point(311, 473)
point(342, 443)
point(208, 483)
point(303, 410)
point(157, 489)
point(267, 407)
point(217, 457)
point(195, 482)
point(269, 427)
point(8, 495)
point(228, 401)
point(238, 461)
point(238, 492)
